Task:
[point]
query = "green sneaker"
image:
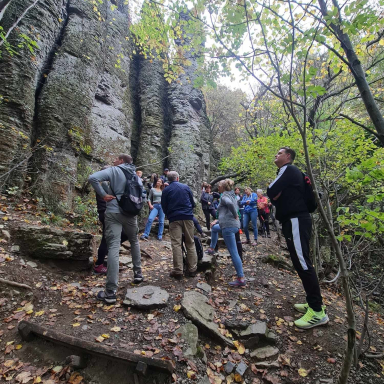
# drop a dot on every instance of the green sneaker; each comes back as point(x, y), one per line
point(303, 308)
point(312, 319)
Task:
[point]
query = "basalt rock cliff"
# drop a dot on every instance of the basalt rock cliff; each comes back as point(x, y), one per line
point(82, 97)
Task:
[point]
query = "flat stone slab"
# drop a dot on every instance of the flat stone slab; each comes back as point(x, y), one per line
point(125, 260)
point(205, 287)
point(146, 297)
point(264, 352)
point(195, 306)
point(190, 335)
point(257, 329)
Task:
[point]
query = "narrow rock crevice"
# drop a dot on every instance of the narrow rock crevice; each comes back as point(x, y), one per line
point(46, 69)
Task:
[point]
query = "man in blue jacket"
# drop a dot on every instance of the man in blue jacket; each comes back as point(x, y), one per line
point(177, 203)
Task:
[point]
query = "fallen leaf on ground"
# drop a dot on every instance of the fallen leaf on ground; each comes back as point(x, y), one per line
point(303, 372)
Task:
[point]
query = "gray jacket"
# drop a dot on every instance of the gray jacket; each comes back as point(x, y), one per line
point(117, 181)
point(227, 211)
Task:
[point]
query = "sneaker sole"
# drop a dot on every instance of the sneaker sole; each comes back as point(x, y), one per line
point(138, 281)
point(323, 321)
point(108, 301)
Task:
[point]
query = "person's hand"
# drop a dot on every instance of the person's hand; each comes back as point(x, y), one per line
point(108, 198)
point(248, 202)
point(151, 207)
point(213, 223)
point(209, 203)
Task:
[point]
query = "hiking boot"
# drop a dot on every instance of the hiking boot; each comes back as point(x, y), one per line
point(138, 278)
point(143, 237)
point(210, 251)
point(303, 308)
point(108, 297)
point(100, 270)
point(192, 274)
point(239, 282)
point(312, 319)
point(176, 275)
point(246, 242)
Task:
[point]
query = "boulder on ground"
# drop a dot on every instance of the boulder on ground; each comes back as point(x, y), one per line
point(197, 309)
point(147, 297)
point(67, 249)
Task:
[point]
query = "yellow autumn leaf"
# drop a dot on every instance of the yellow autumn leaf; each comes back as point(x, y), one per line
point(191, 375)
point(176, 308)
point(40, 313)
point(10, 342)
point(76, 325)
point(99, 339)
point(381, 42)
point(303, 372)
point(18, 346)
point(116, 329)
point(37, 380)
point(105, 335)
point(29, 312)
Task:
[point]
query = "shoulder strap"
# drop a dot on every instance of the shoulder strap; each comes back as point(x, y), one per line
point(126, 174)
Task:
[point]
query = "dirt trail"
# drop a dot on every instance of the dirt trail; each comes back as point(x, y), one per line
point(66, 302)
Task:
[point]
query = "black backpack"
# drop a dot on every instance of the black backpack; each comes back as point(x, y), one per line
point(309, 195)
point(198, 246)
point(131, 201)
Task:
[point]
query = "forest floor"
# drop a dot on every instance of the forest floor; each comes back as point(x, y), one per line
point(66, 302)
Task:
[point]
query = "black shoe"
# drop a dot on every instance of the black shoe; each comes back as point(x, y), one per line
point(269, 235)
point(107, 296)
point(176, 275)
point(192, 274)
point(138, 278)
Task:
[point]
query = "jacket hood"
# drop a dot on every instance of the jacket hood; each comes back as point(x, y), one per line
point(128, 167)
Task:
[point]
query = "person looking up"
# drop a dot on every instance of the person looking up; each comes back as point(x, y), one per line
point(177, 203)
point(115, 222)
point(229, 224)
point(154, 203)
point(249, 203)
point(287, 194)
point(206, 200)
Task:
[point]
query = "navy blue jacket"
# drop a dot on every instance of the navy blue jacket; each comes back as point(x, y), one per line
point(177, 202)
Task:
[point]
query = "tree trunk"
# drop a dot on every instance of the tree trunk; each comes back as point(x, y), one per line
point(358, 73)
point(348, 359)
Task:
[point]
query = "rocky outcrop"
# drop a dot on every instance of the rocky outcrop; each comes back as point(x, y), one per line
point(81, 98)
point(67, 249)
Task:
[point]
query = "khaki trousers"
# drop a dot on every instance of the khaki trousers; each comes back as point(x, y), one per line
point(176, 230)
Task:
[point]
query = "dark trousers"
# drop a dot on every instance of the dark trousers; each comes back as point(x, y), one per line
point(264, 221)
point(197, 225)
point(208, 213)
point(297, 233)
point(103, 248)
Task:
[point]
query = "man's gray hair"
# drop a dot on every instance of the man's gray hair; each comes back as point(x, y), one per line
point(172, 176)
point(259, 191)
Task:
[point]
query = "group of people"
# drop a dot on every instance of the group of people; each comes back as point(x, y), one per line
point(175, 200)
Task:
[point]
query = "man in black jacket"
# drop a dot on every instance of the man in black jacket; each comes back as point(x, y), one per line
point(287, 194)
point(177, 203)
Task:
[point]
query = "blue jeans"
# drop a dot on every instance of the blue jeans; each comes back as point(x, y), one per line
point(250, 216)
point(215, 230)
point(157, 210)
point(230, 242)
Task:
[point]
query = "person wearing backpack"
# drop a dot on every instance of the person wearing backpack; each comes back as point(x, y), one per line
point(288, 192)
point(117, 219)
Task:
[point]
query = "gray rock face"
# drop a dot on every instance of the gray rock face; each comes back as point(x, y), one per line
point(147, 297)
point(205, 287)
point(80, 100)
point(197, 309)
point(190, 335)
point(69, 249)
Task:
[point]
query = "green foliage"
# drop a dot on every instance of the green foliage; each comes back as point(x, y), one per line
point(78, 140)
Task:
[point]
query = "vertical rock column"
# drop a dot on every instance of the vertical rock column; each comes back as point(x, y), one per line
point(20, 79)
point(189, 143)
point(154, 117)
